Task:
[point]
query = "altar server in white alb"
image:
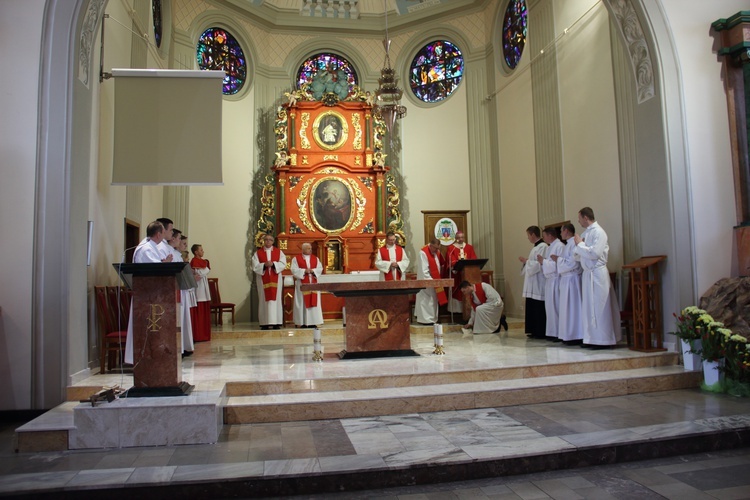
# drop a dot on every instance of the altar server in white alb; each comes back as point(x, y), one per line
point(600, 310)
point(268, 264)
point(432, 266)
point(391, 260)
point(147, 251)
point(306, 268)
point(486, 307)
point(533, 286)
point(187, 299)
point(555, 247)
point(569, 327)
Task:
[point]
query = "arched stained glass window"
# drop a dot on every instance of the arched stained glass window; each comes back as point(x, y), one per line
point(514, 32)
point(156, 10)
point(325, 60)
point(436, 71)
point(219, 50)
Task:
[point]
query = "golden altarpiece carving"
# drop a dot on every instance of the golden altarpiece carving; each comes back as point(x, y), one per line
point(330, 185)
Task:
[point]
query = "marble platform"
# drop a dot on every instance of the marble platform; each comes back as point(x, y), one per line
point(629, 411)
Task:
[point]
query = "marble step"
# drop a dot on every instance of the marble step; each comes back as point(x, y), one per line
point(378, 381)
point(301, 406)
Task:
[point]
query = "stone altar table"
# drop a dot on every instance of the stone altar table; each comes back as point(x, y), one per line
point(377, 314)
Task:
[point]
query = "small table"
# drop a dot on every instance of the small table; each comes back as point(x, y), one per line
point(377, 314)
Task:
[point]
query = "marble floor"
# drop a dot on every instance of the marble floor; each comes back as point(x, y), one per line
point(475, 453)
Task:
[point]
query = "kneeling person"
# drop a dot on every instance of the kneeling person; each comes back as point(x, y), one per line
point(487, 307)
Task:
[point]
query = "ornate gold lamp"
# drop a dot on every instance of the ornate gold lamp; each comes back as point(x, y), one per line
point(388, 95)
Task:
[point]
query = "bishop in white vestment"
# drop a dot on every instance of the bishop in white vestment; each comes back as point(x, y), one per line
point(306, 265)
point(431, 266)
point(391, 260)
point(268, 264)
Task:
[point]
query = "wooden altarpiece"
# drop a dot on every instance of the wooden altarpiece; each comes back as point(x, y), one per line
point(330, 185)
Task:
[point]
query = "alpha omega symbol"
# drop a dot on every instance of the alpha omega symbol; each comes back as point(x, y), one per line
point(377, 316)
point(153, 320)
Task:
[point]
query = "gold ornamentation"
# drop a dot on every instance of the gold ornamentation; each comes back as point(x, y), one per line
point(293, 181)
point(330, 170)
point(368, 159)
point(367, 181)
point(331, 157)
point(304, 160)
point(157, 311)
point(267, 213)
point(294, 228)
point(361, 202)
point(280, 129)
point(317, 356)
point(381, 242)
point(438, 350)
point(357, 144)
point(395, 222)
point(304, 141)
point(369, 228)
point(302, 204)
point(293, 159)
point(283, 244)
point(282, 182)
point(288, 261)
point(330, 130)
point(378, 316)
point(357, 160)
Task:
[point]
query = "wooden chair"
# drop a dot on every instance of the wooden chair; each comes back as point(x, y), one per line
point(218, 308)
point(112, 340)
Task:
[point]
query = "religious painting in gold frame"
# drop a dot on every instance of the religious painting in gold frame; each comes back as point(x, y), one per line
point(333, 203)
point(330, 130)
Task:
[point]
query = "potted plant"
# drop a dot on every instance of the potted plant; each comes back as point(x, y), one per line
point(689, 330)
point(713, 344)
point(737, 365)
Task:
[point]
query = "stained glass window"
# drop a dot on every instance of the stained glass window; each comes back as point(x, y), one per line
point(514, 32)
point(325, 60)
point(219, 50)
point(156, 10)
point(436, 71)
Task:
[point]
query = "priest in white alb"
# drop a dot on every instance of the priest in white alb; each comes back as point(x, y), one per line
point(569, 327)
point(486, 307)
point(431, 267)
point(600, 310)
point(306, 268)
point(268, 264)
point(391, 260)
point(147, 251)
point(555, 247)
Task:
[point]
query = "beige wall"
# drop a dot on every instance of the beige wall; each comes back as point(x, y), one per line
point(18, 129)
point(707, 130)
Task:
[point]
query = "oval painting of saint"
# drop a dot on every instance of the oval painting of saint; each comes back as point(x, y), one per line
point(332, 205)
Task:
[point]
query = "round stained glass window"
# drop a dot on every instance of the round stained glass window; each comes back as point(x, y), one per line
point(324, 61)
point(436, 71)
point(219, 50)
point(514, 32)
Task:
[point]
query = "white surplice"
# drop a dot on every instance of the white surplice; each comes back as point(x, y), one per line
point(269, 312)
point(146, 251)
point(187, 300)
point(306, 315)
point(551, 287)
point(384, 266)
point(533, 278)
point(426, 304)
point(569, 269)
point(486, 317)
point(600, 310)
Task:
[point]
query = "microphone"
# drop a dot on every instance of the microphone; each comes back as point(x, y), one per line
point(122, 259)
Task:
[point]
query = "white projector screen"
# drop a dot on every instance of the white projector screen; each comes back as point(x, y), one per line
point(167, 127)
